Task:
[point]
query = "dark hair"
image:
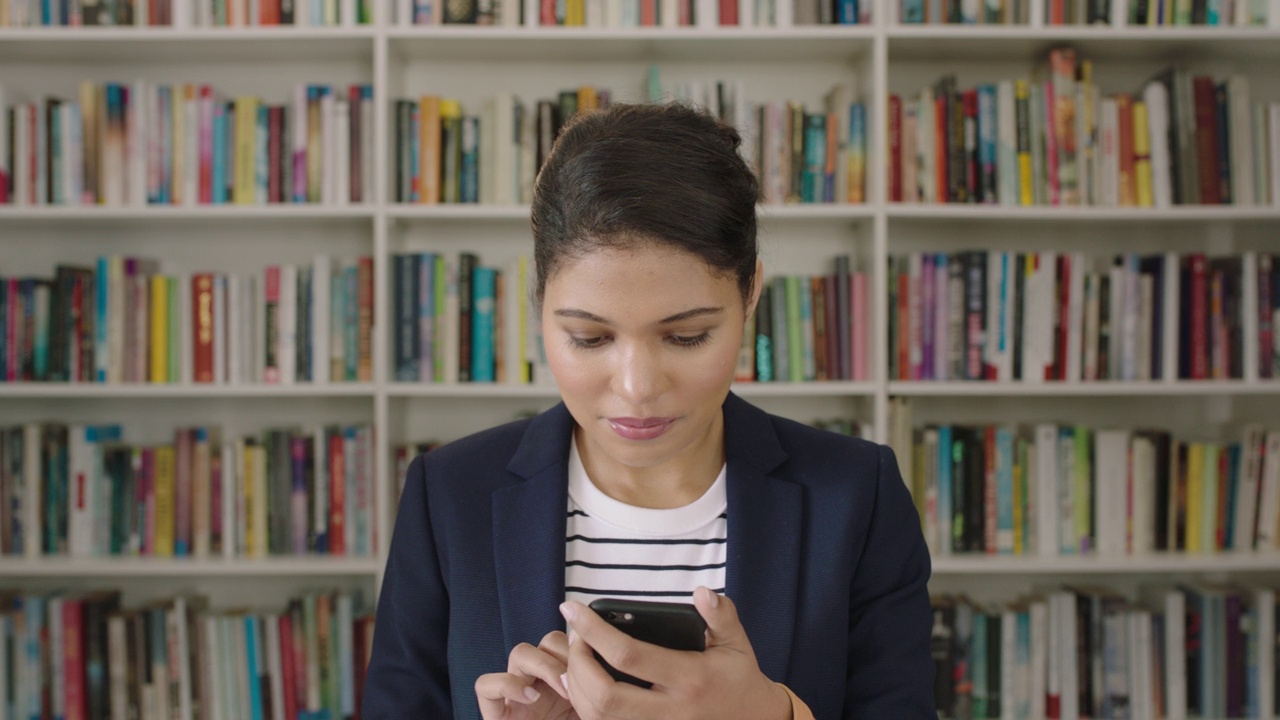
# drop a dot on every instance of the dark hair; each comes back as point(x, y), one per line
point(668, 174)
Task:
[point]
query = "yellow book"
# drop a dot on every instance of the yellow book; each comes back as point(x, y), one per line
point(1026, 195)
point(575, 13)
point(1019, 474)
point(89, 141)
point(315, 153)
point(587, 99)
point(1142, 154)
point(165, 477)
point(429, 147)
point(246, 149)
point(159, 340)
point(178, 101)
point(451, 166)
point(1195, 496)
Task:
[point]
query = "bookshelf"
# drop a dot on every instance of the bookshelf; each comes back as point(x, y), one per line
point(471, 63)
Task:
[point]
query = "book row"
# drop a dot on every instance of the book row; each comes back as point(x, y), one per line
point(83, 656)
point(1036, 317)
point(185, 13)
point(84, 491)
point(1197, 650)
point(801, 154)
point(122, 320)
point(1052, 489)
point(1056, 139)
point(187, 144)
point(1135, 13)
point(634, 13)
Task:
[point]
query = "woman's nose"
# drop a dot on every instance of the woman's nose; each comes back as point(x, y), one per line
point(639, 377)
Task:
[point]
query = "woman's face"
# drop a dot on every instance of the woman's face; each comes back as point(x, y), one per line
point(643, 342)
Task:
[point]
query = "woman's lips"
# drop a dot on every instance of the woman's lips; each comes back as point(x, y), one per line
point(631, 428)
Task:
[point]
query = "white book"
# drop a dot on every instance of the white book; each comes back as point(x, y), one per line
point(404, 13)
point(1039, 613)
point(1111, 494)
point(235, 628)
point(509, 12)
point(342, 151)
point(348, 20)
point(746, 13)
point(1046, 490)
point(287, 325)
point(1146, 300)
point(1038, 319)
point(70, 162)
point(1239, 119)
point(212, 650)
point(1075, 318)
point(1264, 602)
point(1249, 311)
point(84, 468)
point(784, 13)
point(1246, 504)
point(1108, 193)
point(1169, 316)
point(220, 329)
point(275, 668)
point(670, 13)
point(1143, 480)
point(1269, 494)
point(707, 13)
point(925, 135)
point(321, 279)
point(1156, 98)
point(1175, 659)
point(528, 157)
point(237, 330)
point(117, 666)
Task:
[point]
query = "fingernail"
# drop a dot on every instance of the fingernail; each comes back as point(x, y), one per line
point(532, 694)
point(564, 680)
point(568, 611)
point(712, 598)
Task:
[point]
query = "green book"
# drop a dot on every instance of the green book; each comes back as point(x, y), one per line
point(795, 327)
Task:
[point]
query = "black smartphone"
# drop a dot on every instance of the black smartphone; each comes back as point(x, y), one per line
point(677, 626)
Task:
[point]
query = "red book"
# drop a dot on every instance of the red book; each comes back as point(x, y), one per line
point(686, 12)
point(548, 15)
point(895, 148)
point(337, 494)
point(275, 116)
point(1199, 350)
point(648, 13)
point(990, 521)
point(205, 155)
point(728, 12)
point(73, 654)
point(970, 101)
point(364, 359)
point(1207, 139)
point(287, 666)
point(1224, 484)
point(1064, 317)
point(941, 157)
point(202, 321)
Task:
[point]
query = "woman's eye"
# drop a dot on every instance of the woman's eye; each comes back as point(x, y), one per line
point(587, 343)
point(690, 341)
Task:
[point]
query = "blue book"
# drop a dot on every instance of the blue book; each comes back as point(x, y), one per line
point(351, 311)
point(405, 270)
point(34, 607)
point(815, 157)
point(806, 333)
point(470, 181)
point(165, 128)
point(944, 486)
point(253, 660)
point(483, 293)
point(913, 11)
point(102, 290)
point(217, 149)
point(1004, 490)
point(987, 143)
point(847, 12)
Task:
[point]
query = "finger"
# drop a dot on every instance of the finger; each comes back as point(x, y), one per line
point(721, 615)
point(591, 686)
point(495, 690)
point(530, 663)
point(556, 644)
point(634, 657)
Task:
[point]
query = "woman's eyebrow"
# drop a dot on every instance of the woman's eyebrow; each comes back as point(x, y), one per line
point(592, 317)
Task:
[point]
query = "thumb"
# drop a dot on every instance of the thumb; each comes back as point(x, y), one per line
point(721, 615)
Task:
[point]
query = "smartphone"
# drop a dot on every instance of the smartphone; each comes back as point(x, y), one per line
point(677, 626)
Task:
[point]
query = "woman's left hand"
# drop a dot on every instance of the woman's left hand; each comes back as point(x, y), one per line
point(723, 682)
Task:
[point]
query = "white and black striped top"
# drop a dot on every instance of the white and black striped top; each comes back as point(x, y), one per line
point(617, 550)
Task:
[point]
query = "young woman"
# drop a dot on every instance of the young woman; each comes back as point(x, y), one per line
point(800, 548)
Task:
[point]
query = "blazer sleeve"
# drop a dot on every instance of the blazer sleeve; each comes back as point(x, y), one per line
point(890, 666)
point(408, 674)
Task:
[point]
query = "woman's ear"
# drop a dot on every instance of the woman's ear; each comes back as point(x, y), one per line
point(757, 284)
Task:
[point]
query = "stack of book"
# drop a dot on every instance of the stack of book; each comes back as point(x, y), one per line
point(634, 13)
point(1053, 489)
point(1196, 650)
point(123, 321)
point(1183, 139)
point(1046, 316)
point(82, 655)
point(83, 491)
point(185, 13)
point(185, 144)
point(938, 12)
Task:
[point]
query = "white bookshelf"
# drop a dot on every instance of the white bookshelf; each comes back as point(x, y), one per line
point(471, 63)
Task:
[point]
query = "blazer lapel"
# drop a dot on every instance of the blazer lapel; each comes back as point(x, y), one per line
point(765, 516)
point(528, 531)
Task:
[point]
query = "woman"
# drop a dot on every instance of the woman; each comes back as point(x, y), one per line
point(800, 548)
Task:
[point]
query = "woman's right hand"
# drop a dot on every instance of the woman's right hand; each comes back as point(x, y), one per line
point(531, 688)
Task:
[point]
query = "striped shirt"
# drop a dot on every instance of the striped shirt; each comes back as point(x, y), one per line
point(617, 550)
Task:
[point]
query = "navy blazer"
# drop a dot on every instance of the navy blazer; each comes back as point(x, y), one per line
point(826, 563)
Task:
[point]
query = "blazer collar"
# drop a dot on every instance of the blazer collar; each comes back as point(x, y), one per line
point(765, 515)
